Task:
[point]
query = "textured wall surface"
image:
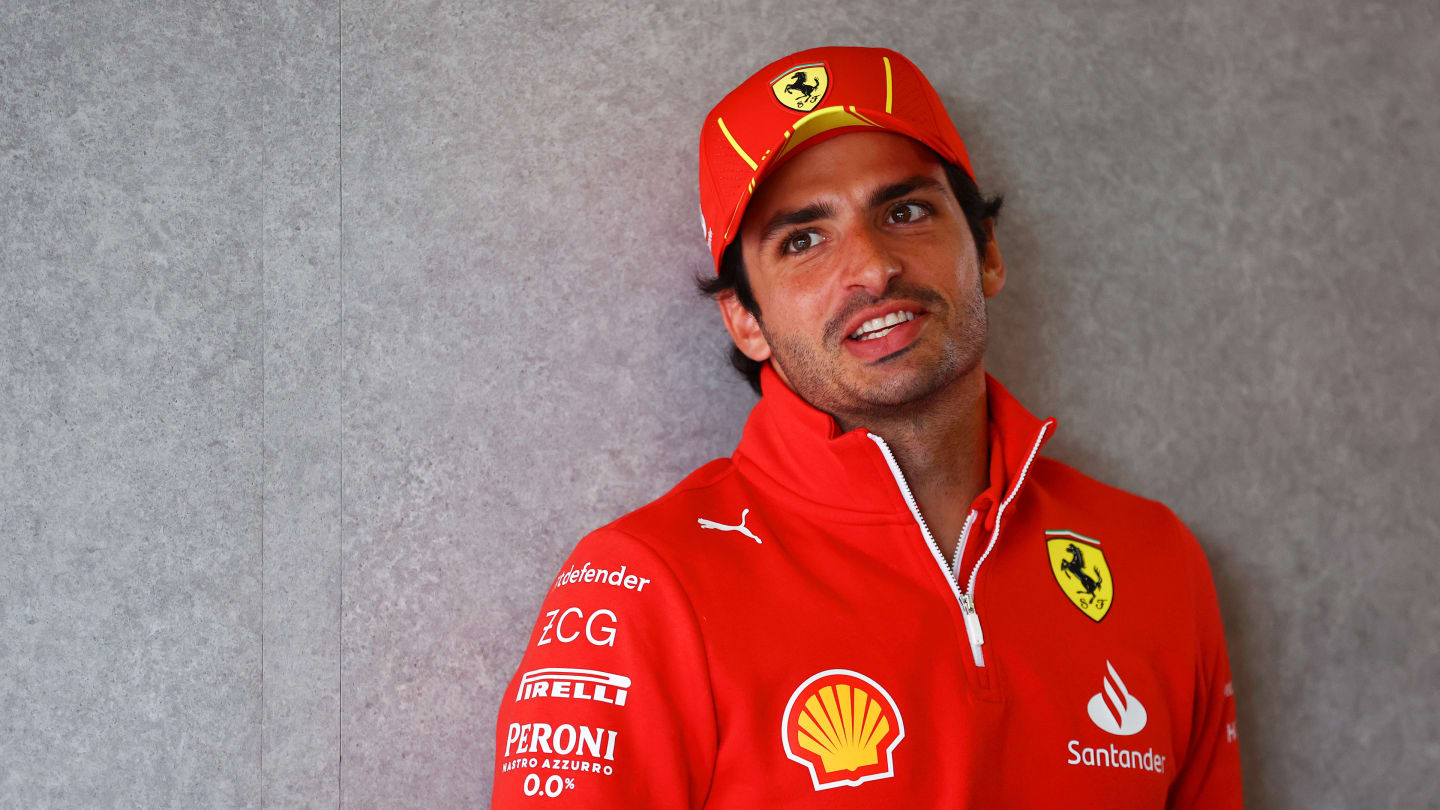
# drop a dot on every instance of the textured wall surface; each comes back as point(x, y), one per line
point(131, 390)
point(326, 329)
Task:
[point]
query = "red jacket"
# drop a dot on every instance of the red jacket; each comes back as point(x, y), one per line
point(779, 631)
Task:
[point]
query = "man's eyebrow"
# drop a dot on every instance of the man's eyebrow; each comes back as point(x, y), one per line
point(909, 185)
point(821, 210)
point(784, 219)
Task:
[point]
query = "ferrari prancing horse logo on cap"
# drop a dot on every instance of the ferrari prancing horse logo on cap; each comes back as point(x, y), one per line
point(1081, 571)
point(801, 87)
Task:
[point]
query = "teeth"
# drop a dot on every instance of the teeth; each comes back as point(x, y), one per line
point(871, 328)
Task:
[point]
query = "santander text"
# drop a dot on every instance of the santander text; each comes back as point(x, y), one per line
point(1113, 757)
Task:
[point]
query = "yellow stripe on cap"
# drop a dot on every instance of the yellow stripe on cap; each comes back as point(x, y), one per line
point(823, 120)
point(857, 114)
point(887, 84)
point(731, 138)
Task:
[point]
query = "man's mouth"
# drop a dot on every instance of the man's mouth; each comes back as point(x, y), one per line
point(880, 327)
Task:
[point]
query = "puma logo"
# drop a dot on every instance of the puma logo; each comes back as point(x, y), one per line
point(710, 524)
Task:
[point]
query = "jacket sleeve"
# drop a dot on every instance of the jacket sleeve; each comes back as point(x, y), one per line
point(1209, 775)
point(611, 706)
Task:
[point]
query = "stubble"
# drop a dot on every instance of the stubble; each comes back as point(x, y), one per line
point(827, 378)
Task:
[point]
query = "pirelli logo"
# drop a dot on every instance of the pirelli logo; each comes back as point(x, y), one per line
point(574, 684)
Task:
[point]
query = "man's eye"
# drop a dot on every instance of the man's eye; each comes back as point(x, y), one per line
point(908, 212)
point(801, 241)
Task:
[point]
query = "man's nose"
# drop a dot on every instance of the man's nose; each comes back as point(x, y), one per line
point(870, 262)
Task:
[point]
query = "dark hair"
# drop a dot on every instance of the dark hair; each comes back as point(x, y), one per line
point(732, 279)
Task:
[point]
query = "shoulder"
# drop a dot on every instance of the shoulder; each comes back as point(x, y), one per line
point(1129, 519)
point(1077, 491)
point(668, 521)
point(649, 567)
point(1142, 542)
point(666, 530)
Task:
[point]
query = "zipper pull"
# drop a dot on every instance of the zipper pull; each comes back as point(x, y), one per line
point(972, 628)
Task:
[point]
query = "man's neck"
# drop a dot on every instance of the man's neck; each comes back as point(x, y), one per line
point(942, 445)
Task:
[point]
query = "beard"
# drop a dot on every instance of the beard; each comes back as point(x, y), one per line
point(827, 377)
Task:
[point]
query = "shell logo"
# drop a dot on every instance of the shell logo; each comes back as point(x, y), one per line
point(843, 727)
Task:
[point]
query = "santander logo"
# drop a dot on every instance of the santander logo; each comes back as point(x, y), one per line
point(1116, 710)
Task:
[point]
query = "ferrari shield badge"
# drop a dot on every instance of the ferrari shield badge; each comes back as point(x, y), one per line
point(801, 87)
point(1081, 571)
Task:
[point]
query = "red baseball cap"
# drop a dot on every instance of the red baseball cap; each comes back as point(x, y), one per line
point(802, 100)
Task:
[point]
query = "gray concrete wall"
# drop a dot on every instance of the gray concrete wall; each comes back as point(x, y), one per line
point(326, 329)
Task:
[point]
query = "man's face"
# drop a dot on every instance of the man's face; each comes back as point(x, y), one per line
point(863, 266)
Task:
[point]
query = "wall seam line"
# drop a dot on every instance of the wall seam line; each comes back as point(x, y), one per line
point(340, 268)
point(264, 343)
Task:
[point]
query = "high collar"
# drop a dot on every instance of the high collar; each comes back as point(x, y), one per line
point(803, 450)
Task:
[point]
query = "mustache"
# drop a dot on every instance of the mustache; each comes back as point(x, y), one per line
point(932, 300)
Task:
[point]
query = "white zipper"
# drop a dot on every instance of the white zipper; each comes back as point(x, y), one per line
point(965, 598)
point(960, 547)
point(1015, 490)
point(967, 606)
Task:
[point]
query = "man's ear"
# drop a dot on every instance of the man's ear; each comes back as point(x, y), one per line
point(992, 269)
point(743, 327)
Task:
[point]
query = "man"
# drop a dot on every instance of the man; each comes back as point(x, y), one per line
point(886, 597)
